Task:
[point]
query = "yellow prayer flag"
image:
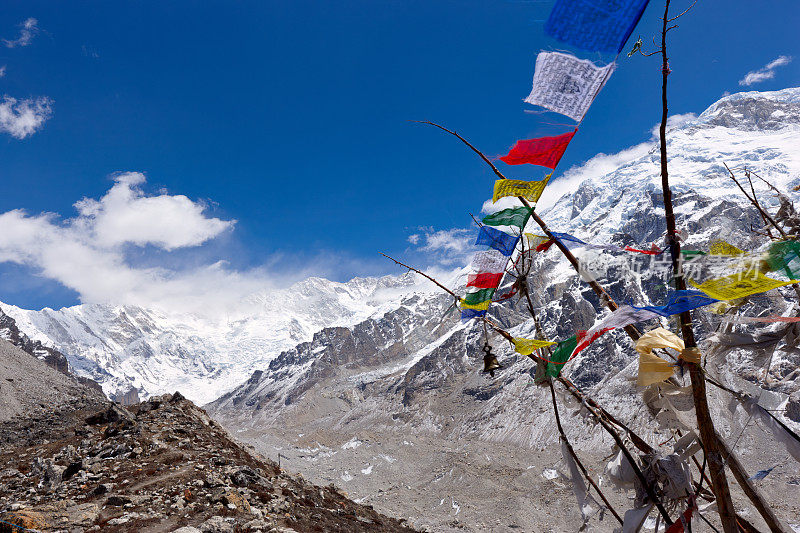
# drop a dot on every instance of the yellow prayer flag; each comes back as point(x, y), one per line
point(532, 241)
point(739, 285)
point(653, 369)
point(530, 190)
point(483, 306)
point(527, 346)
point(724, 248)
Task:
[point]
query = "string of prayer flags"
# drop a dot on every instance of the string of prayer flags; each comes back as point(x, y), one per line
point(654, 369)
point(678, 302)
point(530, 190)
point(739, 285)
point(594, 25)
point(760, 319)
point(497, 240)
point(515, 216)
point(528, 346)
point(544, 151)
point(564, 84)
point(484, 280)
point(654, 250)
point(779, 431)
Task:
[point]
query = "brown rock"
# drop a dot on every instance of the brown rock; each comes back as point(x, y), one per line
point(242, 505)
point(23, 518)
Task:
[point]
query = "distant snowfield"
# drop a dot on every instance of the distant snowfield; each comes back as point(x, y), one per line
point(203, 357)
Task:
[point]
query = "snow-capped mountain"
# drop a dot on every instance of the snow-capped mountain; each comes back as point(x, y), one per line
point(399, 400)
point(151, 351)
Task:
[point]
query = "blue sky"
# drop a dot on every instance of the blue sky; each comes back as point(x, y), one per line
point(291, 119)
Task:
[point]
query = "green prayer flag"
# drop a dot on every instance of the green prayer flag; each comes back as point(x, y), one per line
point(688, 254)
point(516, 216)
point(474, 298)
point(785, 255)
point(561, 355)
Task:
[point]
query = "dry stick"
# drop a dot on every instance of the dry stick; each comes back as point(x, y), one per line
point(753, 201)
point(454, 295)
point(708, 435)
point(752, 492)
point(755, 197)
point(575, 456)
point(639, 474)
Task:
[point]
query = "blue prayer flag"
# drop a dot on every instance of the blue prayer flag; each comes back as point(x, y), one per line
point(500, 241)
point(466, 314)
point(595, 25)
point(680, 301)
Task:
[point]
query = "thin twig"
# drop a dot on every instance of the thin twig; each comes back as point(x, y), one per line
point(575, 456)
point(423, 274)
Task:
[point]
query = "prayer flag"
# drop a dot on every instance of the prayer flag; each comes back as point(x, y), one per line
point(467, 314)
point(680, 301)
point(560, 356)
point(489, 261)
point(530, 190)
point(482, 306)
point(498, 240)
point(724, 248)
point(515, 216)
point(528, 346)
point(654, 369)
point(594, 25)
point(484, 280)
point(532, 242)
point(474, 298)
point(739, 286)
point(565, 84)
point(785, 255)
point(544, 151)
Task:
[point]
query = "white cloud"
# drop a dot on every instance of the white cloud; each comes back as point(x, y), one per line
point(445, 247)
point(2, 71)
point(767, 72)
point(87, 253)
point(22, 118)
point(29, 28)
point(126, 215)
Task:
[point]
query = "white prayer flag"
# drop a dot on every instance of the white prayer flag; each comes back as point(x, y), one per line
point(490, 261)
point(565, 84)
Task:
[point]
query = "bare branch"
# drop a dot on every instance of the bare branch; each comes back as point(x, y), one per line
point(676, 17)
point(486, 159)
point(755, 203)
point(423, 274)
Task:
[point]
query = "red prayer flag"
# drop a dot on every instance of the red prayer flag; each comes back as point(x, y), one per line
point(544, 151)
point(484, 280)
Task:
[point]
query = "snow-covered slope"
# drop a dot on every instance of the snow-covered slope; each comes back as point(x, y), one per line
point(203, 356)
